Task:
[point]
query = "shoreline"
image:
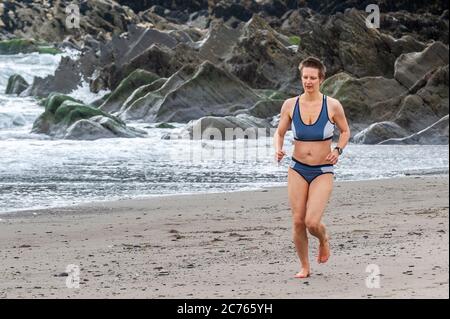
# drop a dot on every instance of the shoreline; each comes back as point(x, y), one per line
point(233, 245)
point(38, 209)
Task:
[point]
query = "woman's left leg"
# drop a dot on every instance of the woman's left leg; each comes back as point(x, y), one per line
point(319, 193)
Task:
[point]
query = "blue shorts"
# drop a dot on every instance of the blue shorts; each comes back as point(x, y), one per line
point(310, 172)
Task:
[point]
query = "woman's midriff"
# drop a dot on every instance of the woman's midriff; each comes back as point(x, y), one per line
point(312, 153)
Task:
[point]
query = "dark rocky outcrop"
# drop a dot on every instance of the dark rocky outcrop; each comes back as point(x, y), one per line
point(191, 93)
point(135, 80)
point(345, 43)
point(412, 112)
point(261, 58)
point(428, 103)
point(360, 96)
point(184, 60)
point(46, 20)
point(68, 76)
point(411, 67)
point(436, 133)
point(378, 132)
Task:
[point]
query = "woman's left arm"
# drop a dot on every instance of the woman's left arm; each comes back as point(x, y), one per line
point(344, 131)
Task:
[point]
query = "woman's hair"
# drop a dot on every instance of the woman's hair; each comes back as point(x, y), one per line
point(313, 62)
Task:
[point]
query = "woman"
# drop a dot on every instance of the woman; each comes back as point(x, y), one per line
point(312, 117)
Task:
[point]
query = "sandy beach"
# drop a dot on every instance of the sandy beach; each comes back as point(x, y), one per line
point(233, 245)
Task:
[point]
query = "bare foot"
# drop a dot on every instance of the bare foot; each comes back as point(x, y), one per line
point(324, 251)
point(304, 273)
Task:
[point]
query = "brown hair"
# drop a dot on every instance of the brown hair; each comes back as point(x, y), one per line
point(313, 62)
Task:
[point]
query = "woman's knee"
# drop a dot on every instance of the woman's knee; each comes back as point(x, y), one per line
point(299, 223)
point(312, 224)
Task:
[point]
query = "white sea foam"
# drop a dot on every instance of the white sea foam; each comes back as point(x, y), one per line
point(83, 93)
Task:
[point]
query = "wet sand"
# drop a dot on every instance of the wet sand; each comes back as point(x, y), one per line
point(234, 245)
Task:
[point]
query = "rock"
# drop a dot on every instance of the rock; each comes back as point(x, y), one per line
point(54, 100)
point(46, 21)
point(164, 125)
point(428, 104)
point(142, 91)
point(158, 59)
point(262, 60)
point(87, 130)
point(414, 111)
point(226, 9)
point(117, 127)
point(411, 67)
point(68, 76)
point(436, 133)
point(218, 43)
point(67, 118)
point(266, 108)
point(358, 96)
point(423, 26)
point(345, 44)
point(128, 85)
point(191, 93)
point(224, 128)
point(16, 84)
point(126, 47)
point(378, 132)
point(100, 127)
point(333, 6)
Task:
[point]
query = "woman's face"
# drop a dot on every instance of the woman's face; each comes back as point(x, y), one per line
point(311, 80)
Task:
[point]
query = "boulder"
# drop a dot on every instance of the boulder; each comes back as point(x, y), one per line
point(87, 130)
point(411, 67)
point(428, 104)
point(65, 117)
point(411, 112)
point(359, 96)
point(16, 84)
point(378, 132)
point(436, 134)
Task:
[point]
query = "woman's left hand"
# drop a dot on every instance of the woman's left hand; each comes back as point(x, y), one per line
point(332, 157)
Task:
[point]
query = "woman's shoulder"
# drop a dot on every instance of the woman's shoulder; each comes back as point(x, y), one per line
point(289, 103)
point(333, 103)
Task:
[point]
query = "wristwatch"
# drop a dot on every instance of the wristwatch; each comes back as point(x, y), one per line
point(339, 150)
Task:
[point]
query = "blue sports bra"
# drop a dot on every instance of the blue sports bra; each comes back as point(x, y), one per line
point(321, 130)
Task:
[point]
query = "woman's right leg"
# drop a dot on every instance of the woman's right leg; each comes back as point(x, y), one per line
point(298, 195)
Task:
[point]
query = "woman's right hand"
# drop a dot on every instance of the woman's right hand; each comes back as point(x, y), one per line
point(279, 154)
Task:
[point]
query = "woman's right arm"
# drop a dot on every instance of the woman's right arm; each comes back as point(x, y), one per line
point(283, 126)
